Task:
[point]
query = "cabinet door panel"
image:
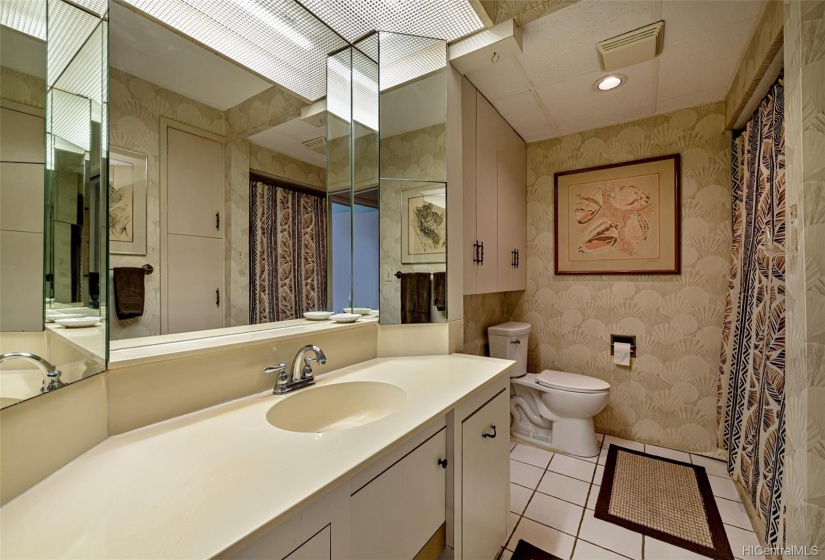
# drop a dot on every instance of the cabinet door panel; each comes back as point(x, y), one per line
point(195, 184)
point(486, 193)
point(468, 137)
point(512, 208)
point(395, 515)
point(195, 268)
point(486, 478)
point(317, 548)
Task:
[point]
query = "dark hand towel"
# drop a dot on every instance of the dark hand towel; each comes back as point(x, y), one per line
point(440, 290)
point(415, 297)
point(129, 292)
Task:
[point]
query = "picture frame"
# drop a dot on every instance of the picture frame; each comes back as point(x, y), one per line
point(128, 173)
point(424, 224)
point(621, 218)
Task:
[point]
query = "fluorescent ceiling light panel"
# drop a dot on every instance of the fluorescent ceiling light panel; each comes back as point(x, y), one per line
point(26, 16)
point(277, 39)
point(440, 19)
point(407, 57)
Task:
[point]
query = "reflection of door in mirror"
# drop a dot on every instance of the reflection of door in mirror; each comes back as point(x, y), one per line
point(50, 196)
point(226, 149)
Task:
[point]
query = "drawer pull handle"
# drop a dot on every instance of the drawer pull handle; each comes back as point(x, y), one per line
point(492, 436)
point(442, 463)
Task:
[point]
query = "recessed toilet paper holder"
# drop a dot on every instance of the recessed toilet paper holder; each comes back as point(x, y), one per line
point(629, 339)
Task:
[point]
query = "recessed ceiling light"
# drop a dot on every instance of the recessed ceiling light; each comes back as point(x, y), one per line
point(609, 82)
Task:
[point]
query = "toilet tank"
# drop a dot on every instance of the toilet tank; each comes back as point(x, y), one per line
point(509, 341)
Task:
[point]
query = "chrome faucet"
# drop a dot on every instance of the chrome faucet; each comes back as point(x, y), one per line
point(301, 374)
point(51, 375)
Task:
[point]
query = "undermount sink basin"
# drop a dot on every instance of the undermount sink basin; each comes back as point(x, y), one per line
point(331, 408)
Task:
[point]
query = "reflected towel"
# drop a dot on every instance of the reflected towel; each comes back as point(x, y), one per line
point(440, 290)
point(416, 294)
point(129, 291)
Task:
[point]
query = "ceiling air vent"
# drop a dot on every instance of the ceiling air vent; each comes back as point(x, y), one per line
point(632, 47)
point(317, 145)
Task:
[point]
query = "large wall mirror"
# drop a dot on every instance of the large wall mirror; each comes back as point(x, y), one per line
point(53, 98)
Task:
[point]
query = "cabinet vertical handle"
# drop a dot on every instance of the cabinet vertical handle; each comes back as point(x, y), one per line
point(482, 254)
point(442, 463)
point(491, 436)
point(476, 258)
point(217, 220)
point(218, 297)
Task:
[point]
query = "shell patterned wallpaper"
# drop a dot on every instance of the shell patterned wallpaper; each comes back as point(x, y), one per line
point(22, 88)
point(668, 396)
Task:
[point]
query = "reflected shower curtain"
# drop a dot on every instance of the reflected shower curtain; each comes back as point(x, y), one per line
point(751, 403)
point(287, 253)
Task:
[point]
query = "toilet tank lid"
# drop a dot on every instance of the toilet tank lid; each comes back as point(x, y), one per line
point(510, 329)
point(572, 382)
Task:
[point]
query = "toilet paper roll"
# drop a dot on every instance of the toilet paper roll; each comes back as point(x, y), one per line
point(621, 353)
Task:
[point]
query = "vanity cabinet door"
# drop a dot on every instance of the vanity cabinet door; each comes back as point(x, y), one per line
point(487, 223)
point(394, 515)
point(486, 478)
point(512, 209)
point(319, 547)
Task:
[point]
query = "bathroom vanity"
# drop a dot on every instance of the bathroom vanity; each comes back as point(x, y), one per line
point(414, 452)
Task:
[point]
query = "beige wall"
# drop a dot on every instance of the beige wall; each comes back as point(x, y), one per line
point(482, 311)
point(804, 488)
point(668, 396)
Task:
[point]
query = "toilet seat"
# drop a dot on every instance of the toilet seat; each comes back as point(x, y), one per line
point(571, 382)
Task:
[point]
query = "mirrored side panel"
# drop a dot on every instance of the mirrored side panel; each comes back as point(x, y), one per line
point(413, 171)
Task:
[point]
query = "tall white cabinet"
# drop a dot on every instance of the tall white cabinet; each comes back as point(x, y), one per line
point(495, 198)
point(192, 252)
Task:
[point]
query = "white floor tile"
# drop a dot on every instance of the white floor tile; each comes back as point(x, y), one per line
point(597, 478)
point(611, 536)
point(602, 456)
point(667, 453)
point(547, 539)
point(569, 466)
point(512, 519)
point(594, 495)
point(734, 513)
point(564, 487)
point(505, 555)
point(524, 474)
point(723, 488)
point(513, 445)
point(586, 551)
point(519, 496)
point(555, 513)
point(588, 459)
point(712, 466)
point(626, 443)
point(658, 550)
point(531, 455)
point(739, 540)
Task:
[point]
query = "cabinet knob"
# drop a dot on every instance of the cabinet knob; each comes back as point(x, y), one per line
point(442, 463)
point(491, 436)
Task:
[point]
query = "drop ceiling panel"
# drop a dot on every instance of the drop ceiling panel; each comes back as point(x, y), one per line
point(502, 79)
point(703, 63)
point(148, 50)
point(563, 44)
point(287, 139)
point(525, 115)
point(575, 100)
point(623, 115)
point(690, 100)
point(691, 19)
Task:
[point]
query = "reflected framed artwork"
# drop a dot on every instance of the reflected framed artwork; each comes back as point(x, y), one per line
point(619, 219)
point(424, 225)
point(127, 202)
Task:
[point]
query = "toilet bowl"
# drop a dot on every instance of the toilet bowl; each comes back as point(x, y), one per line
point(553, 409)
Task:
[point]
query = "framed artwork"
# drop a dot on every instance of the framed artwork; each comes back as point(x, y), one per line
point(619, 219)
point(424, 225)
point(127, 202)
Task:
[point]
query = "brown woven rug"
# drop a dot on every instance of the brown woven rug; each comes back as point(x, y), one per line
point(527, 551)
point(664, 499)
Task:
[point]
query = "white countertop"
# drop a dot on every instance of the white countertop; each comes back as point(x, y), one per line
point(192, 486)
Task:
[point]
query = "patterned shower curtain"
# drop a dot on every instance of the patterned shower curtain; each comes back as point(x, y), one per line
point(751, 396)
point(287, 253)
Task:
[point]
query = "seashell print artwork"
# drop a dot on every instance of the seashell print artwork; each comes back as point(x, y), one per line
point(620, 219)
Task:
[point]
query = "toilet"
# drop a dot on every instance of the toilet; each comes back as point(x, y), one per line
point(551, 409)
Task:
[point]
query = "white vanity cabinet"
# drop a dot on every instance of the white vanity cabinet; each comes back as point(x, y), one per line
point(396, 513)
point(318, 547)
point(494, 170)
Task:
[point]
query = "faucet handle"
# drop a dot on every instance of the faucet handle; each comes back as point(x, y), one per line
point(307, 371)
point(280, 368)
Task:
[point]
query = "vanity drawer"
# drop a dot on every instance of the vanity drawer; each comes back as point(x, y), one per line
point(395, 514)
